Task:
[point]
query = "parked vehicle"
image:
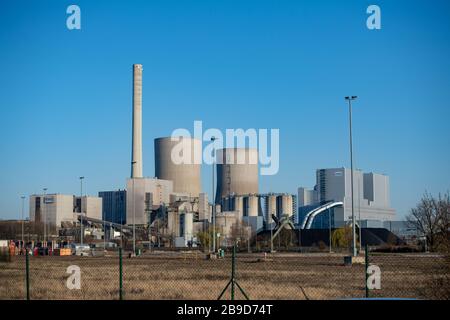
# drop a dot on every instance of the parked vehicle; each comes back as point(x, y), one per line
point(80, 250)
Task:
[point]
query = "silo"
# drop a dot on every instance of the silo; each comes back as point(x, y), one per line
point(251, 206)
point(271, 207)
point(237, 172)
point(239, 206)
point(173, 223)
point(286, 204)
point(188, 231)
point(183, 168)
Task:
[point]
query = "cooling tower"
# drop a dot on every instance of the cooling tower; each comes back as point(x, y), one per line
point(237, 172)
point(184, 168)
point(136, 152)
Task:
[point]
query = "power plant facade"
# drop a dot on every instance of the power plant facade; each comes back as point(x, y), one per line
point(178, 159)
point(145, 195)
point(54, 209)
point(114, 206)
point(370, 190)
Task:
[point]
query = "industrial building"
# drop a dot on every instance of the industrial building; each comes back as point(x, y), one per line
point(145, 195)
point(55, 209)
point(114, 206)
point(371, 192)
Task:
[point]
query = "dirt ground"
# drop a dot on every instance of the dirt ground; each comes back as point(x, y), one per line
point(191, 276)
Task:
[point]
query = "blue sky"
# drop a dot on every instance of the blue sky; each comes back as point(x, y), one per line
point(65, 96)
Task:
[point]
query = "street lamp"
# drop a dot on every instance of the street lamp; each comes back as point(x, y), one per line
point(23, 204)
point(359, 213)
point(350, 99)
point(44, 211)
point(81, 210)
point(213, 197)
point(329, 225)
point(271, 232)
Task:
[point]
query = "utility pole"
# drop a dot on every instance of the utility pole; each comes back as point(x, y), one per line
point(329, 225)
point(213, 197)
point(350, 99)
point(271, 233)
point(359, 214)
point(104, 235)
point(23, 204)
point(81, 211)
point(248, 238)
point(44, 210)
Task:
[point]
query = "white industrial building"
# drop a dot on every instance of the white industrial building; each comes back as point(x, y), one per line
point(57, 208)
point(371, 192)
point(91, 207)
point(144, 195)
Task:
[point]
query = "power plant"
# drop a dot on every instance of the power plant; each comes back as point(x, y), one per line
point(170, 208)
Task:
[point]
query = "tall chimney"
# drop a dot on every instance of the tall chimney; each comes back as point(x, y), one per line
point(136, 153)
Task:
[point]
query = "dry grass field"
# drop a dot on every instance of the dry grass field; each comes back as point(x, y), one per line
point(191, 276)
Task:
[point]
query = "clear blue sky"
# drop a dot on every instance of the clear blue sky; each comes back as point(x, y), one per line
point(65, 96)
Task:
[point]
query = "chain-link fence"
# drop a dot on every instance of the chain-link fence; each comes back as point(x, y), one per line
point(195, 275)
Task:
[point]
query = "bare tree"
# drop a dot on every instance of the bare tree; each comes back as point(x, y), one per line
point(431, 219)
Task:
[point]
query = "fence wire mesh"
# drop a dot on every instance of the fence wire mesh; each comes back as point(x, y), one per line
point(261, 275)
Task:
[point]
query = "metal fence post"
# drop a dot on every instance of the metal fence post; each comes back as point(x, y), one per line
point(233, 261)
point(27, 274)
point(120, 275)
point(233, 281)
point(366, 269)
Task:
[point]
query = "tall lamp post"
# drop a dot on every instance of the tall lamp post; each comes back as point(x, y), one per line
point(350, 99)
point(81, 211)
point(271, 233)
point(44, 209)
point(329, 225)
point(213, 139)
point(23, 205)
point(359, 214)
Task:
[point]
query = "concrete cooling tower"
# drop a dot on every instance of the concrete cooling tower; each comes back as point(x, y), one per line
point(237, 172)
point(185, 175)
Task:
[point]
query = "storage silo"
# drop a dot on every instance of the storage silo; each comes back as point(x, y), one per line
point(188, 223)
point(237, 172)
point(239, 206)
point(184, 168)
point(271, 207)
point(251, 206)
point(285, 205)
